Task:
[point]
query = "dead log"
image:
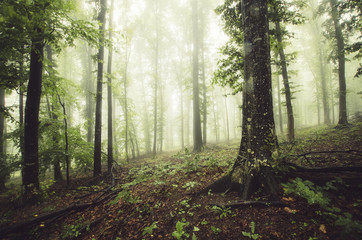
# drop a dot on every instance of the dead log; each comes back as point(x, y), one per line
point(19, 227)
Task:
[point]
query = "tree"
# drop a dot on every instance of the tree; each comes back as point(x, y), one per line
point(109, 95)
point(97, 170)
point(342, 119)
point(288, 95)
point(52, 114)
point(2, 153)
point(31, 162)
point(195, 79)
point(252, 167)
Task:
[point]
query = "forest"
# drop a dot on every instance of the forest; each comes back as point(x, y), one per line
point(181, 119)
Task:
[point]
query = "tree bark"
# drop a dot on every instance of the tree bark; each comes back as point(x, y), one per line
point(342, 118)
point(327, 119)
point(2, 131)
point(195, 80)
point(89, 91)
point(97, 170)
point(31, 147)
point(288, 94)
point(56, 164)
point(109, 95)
point(252, 168)
point(155, 117)
point(280, 117)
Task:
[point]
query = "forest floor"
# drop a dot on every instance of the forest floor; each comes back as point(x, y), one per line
point(153, 198)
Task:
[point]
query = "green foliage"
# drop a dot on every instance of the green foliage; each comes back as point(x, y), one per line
point(180, 233)
point(252, 234)
point(126, 196)
point(215, 230)
point(71, 231)
point(48, 21)
point(351, 228)
point(149, 229)
point(222, 211)
point(306, 189)
point(190, 185)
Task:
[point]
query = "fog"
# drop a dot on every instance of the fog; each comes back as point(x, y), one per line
point(153, 42)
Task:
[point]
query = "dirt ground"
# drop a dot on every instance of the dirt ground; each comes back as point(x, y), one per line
point(154, 198)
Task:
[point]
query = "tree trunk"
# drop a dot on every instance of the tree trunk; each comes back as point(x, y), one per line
point(67, 162)
point(181, 114)
point(2, 152)
point(204, 95)
point(342, 118)
point(288, 94)
point(89, 91)
point(146, 124)
point(155, 117)
point(327, 119)
point(252, 168)
point(31, 147)
point(56, 164)
point(195, 80)
point(227, 119)
point(97, 170)
point(126, 105)
point(279, 106)
point(109, 95)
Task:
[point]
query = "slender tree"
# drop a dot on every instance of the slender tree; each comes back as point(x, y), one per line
point(2, 139)
point(195, 79)
point(156, 80)
point(97, 170)
point(288, 94)
point(109, 94)
point(57, 170)
point(342, 119)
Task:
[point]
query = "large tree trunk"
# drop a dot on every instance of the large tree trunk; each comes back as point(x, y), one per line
point(342, 119)
point(31, 147)
point(109, 96)
point(288, 94)
point(195, 80)
point(97, 170)
point(252, 168)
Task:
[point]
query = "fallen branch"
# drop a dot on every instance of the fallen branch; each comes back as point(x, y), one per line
point(19, 227)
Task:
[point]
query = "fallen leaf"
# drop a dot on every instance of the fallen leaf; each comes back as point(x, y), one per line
point(276, 234)
point(288, 199)
point(288, 210)
point(323, 229)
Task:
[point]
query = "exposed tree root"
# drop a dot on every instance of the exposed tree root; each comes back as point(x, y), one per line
point(325, 169)
point(250, 203)
point(329, 152)
point(221, 185)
